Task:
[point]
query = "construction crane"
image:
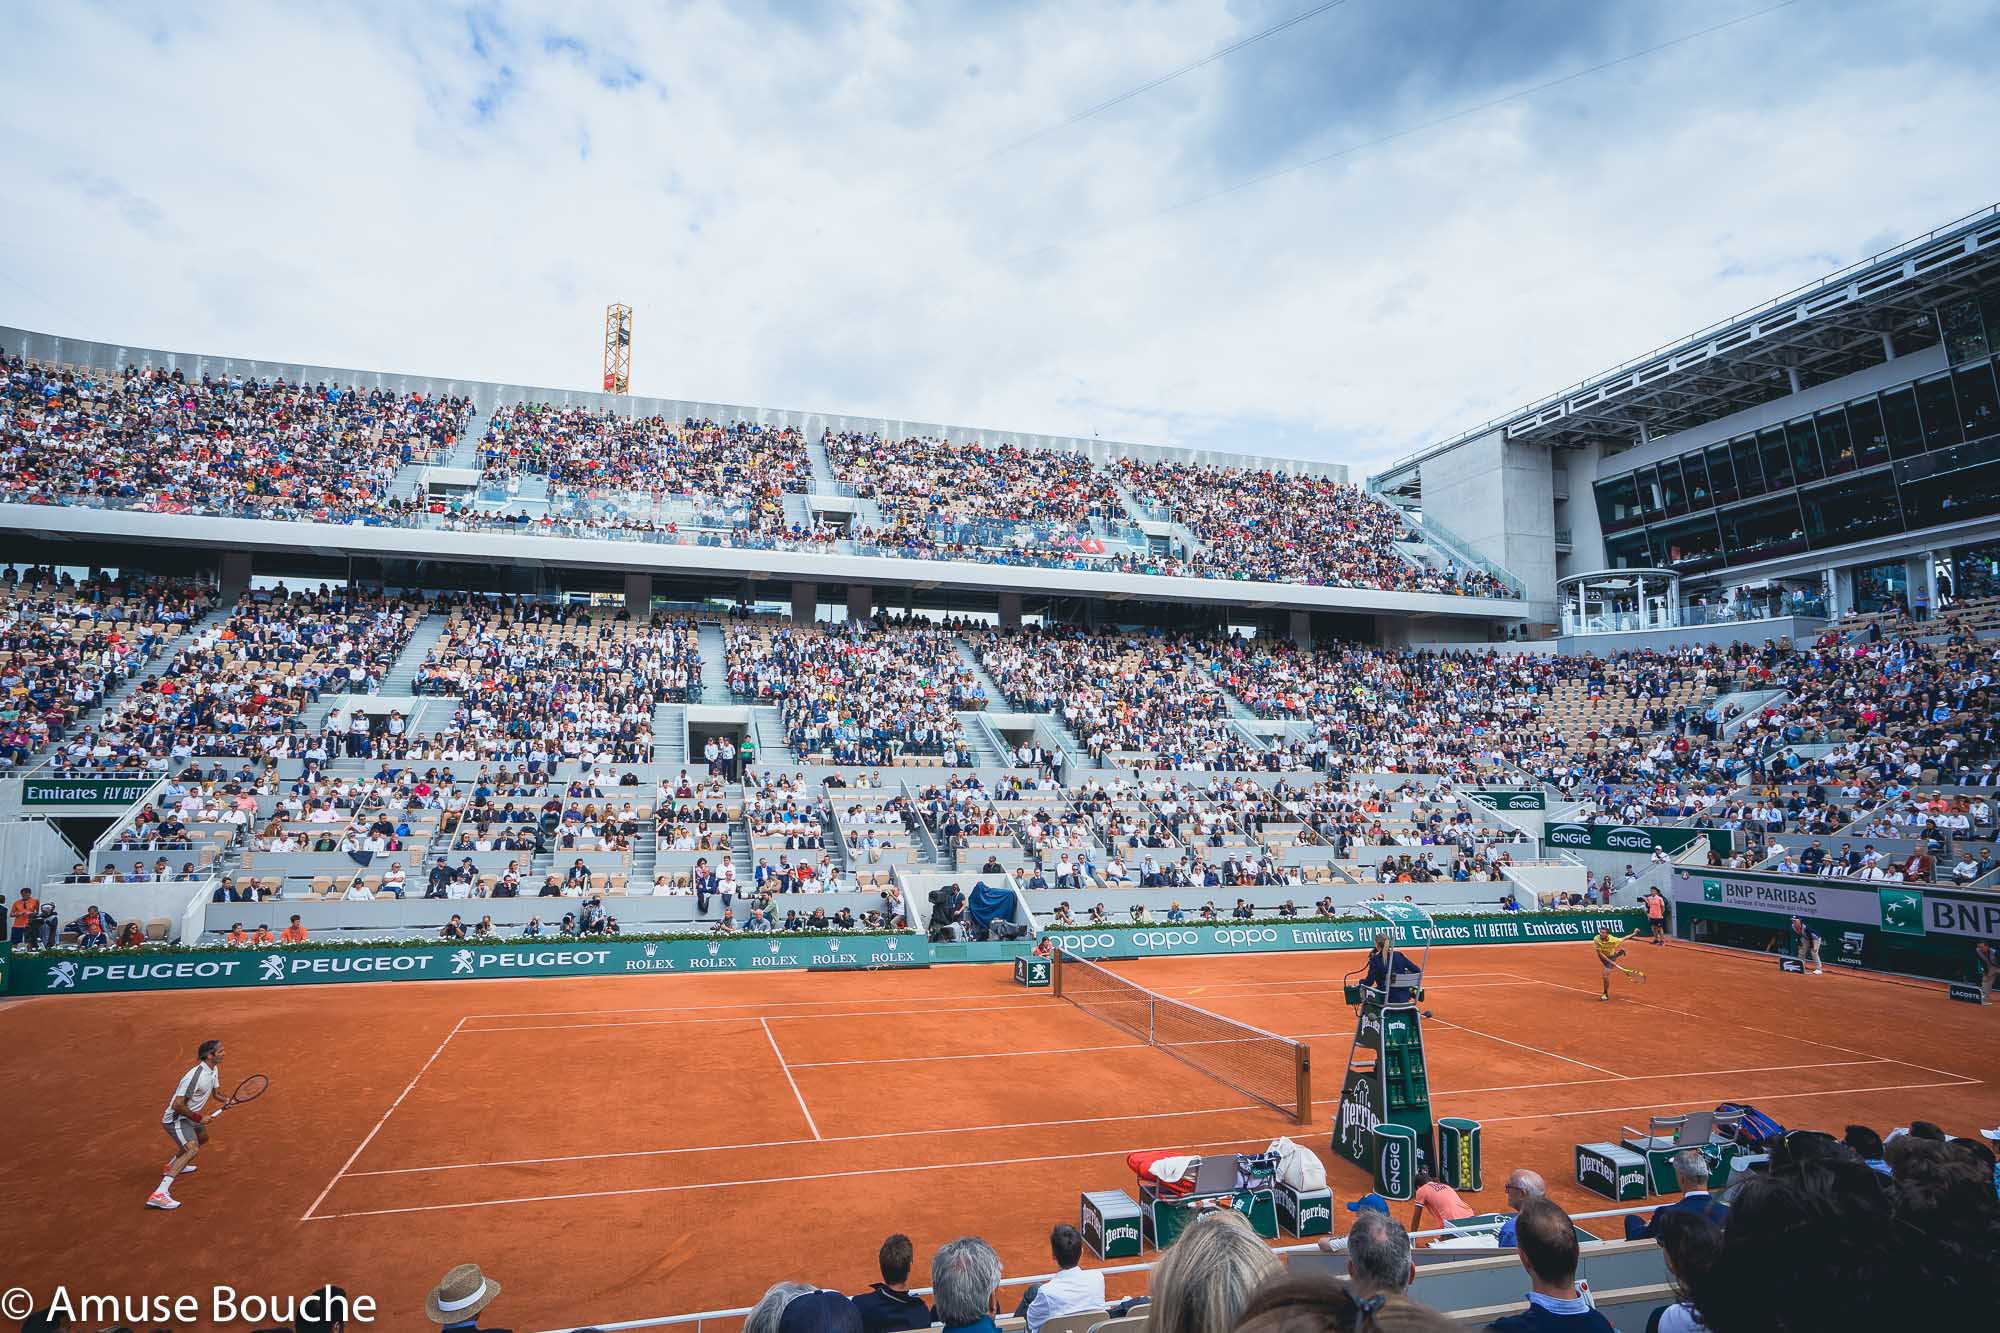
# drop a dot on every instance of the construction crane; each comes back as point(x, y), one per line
point(618, 349)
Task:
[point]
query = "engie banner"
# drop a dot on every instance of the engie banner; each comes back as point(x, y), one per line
point(36, 974)
point(1632, 838)
point(1496, 798)
point(1282, 936)
point(1893, 909)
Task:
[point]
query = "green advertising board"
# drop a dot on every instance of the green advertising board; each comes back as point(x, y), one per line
point(1633, 839)
point(1888, 909)
point(122, 970)
point(167, 969)
point(41, 793)
point(1509, 798)
point(1111, 941)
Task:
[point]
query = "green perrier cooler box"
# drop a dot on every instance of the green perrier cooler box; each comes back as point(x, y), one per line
point(1459, 1153)
point(1166, 1218)
point(1392, 1153)
point(1110, 1224)
point(1618, 1173)
point(1031, 971)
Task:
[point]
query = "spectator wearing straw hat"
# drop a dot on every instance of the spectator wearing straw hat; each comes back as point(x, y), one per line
point(458, 1298)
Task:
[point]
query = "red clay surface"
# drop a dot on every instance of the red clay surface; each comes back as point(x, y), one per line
point(614, 1148)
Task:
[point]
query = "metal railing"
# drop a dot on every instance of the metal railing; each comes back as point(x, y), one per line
point(1109, 1270)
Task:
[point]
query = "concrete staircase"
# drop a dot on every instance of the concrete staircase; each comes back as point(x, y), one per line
point(714, 669)
point(994, 697)
point(767, 724)
point(985, 744)
point(823, 482)
point(465, 450)
point(670, 735)
point(401, 677)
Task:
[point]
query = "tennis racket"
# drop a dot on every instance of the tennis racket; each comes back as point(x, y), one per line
point(249, 1090)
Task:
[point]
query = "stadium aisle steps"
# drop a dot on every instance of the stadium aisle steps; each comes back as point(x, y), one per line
point(401, 677)
point(772, 747)
point(822, 477)
point(995, 699)
point(670, 735)
point(714, 669)
point(984, 743)
point(465, 450)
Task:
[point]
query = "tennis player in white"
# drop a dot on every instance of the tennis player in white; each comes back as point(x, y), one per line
point(184, 1121)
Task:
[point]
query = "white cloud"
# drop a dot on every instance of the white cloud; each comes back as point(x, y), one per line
point(784, 205)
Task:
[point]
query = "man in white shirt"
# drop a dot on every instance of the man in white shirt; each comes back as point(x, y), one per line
point(1073, 1290)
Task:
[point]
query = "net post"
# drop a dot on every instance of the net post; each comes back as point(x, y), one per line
point(1302, 1061)
point(1152, 1020)
point(1055, 973)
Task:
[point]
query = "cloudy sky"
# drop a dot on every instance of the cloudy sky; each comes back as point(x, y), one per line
point(1385, 223)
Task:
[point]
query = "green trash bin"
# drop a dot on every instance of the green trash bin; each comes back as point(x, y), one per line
point(1392, 1155)
point(1459, 1153)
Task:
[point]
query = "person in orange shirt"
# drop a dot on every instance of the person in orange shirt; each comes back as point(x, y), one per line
point(1440, 1199)
point(237, 938)
point(21, 917)
point(263, 938)
point(294, 933)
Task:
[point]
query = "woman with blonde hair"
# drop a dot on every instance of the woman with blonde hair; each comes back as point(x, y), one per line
point(1209, 1275)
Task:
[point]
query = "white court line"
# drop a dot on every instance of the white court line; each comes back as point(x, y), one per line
point(1023, 1161)
point(739, 1018)
point(1004, 1002)
point(1315, 981)
point(832, 1138)
point(1766, 1032)
point(983, 1129)
point(768, 1180)
point(1632, 1078)
point(974, 1055)
point(1762, 1097)
point(803, 1110)
point(1460, 1027)
point(383, 1121)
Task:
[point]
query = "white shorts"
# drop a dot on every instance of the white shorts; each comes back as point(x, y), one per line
point(185, 1132)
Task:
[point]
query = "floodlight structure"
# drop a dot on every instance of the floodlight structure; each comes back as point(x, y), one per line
point(618, 349)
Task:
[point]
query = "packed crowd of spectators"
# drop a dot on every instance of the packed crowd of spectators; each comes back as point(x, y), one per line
point(65, 645)
point(1285, 527)
point(541, 684)
point(977, 493)
point(238, 688)
point(741, 470)
point(154, 439)
point(860, 695)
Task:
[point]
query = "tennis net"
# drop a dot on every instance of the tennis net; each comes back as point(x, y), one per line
point(1275, 1070)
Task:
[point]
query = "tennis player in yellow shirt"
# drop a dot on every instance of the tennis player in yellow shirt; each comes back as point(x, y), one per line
point(1610, 948)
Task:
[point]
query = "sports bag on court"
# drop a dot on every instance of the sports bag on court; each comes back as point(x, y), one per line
point(1755, 1132)
point(1298, 1165)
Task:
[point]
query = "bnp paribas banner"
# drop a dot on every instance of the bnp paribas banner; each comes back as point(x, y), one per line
point(1511, 798)
point(1278, 937)
point(40, 974)
point(1893, 909)
point(1632, 838)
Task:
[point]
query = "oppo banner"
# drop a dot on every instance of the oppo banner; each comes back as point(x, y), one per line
point(1893, 909)
point(128, 970)
point(1632, 838)
point(1282, 936)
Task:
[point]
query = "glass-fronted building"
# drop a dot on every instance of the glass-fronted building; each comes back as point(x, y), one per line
point(1900, 459)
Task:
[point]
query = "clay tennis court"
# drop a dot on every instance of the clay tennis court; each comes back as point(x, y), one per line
point(615, 1148)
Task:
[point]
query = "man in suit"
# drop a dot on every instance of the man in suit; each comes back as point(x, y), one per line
point(1691, 1174)
point(458, 1298)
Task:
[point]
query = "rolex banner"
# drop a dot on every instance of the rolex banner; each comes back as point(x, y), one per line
point(1633, 839)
